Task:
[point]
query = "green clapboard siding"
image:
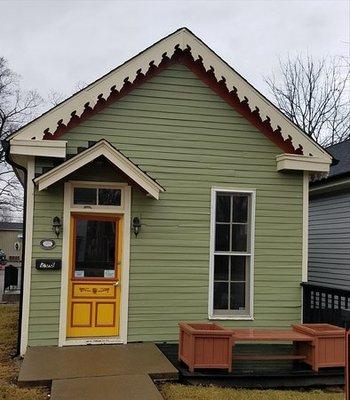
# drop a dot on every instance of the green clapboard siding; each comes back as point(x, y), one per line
point(45, 285)
point(181, 133)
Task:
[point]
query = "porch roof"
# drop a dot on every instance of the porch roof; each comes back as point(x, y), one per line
point(101, 148)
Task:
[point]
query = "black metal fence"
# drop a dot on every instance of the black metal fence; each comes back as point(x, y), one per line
point(323, 304)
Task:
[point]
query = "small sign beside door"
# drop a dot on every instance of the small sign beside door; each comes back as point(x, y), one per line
point(48, 264)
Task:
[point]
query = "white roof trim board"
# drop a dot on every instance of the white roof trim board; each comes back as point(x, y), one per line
point(183, 38)
point(298, 162)
point(39, 148)
point(101, 148)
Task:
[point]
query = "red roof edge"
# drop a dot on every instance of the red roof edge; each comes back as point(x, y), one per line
point(208, 77)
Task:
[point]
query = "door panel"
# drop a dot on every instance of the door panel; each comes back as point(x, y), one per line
point(95, 271)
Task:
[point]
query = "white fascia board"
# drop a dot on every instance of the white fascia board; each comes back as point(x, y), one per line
point(184, 39)
point(39, 148)
point(102, 148)
point(298, 162)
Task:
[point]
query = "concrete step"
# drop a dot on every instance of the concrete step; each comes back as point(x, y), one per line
point(121, 387)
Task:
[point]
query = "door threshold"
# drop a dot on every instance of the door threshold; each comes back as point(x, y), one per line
point(93, 341)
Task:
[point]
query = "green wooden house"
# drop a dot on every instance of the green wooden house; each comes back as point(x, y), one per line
point(169, 189)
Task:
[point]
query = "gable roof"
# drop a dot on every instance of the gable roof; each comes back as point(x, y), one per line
point(112, 85)
point(11, 226)
point(101, 148)
point(341, 152)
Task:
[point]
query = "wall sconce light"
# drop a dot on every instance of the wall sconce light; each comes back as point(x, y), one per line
point(56, 225)
point(136, 225)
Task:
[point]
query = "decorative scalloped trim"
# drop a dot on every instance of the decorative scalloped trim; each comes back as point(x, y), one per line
point(207, 76)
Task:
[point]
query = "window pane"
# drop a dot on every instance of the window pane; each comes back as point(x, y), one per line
point(222, 237)
point(85, 196)
point(240, 208)
point(239, 237)
point(220, 295)
point(221, 268)
point(223, 205)
point(109, 197)
point(237, 296)
point(238, 268)
point(95, 248)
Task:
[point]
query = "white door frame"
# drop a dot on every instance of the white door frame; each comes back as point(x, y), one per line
point(68, 208)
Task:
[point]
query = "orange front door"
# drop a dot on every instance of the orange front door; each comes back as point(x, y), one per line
point(95, 272)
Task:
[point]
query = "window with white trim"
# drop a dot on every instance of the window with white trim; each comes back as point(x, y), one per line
point(97, 196)
point(232, 253)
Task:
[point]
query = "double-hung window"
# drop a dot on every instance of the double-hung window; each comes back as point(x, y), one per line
point(231, 269)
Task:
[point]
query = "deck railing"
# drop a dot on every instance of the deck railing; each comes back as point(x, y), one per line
point(323, 304)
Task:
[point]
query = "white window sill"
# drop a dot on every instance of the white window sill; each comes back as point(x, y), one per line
point(231, 318)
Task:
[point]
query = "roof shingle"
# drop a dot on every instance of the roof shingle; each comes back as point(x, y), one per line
point(11, 226)
point(341, 152)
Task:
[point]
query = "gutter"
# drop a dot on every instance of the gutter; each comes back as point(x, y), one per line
point(6, 146)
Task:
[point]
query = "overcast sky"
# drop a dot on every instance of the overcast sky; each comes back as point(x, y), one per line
point(55, 44)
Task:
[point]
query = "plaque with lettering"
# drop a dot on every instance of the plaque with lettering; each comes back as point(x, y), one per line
point(48, 264)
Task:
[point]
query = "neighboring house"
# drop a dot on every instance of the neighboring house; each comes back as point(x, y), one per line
point(11, 242)
point(182, 193)
point(329, 223)
point(11, 247)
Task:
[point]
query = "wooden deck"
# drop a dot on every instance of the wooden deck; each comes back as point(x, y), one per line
point(248, 373)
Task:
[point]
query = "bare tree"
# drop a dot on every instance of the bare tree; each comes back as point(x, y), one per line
point(16, 108)
point(54, 97)
point(11, 194)
point(314, 94)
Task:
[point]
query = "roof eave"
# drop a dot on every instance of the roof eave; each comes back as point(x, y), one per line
point(183, 39)
point(298, 162)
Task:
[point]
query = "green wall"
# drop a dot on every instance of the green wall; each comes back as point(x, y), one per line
point(181, 133)
point(45, 285)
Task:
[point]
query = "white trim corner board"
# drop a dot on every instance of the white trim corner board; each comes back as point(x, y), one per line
point(27, 262)
point(305, 226)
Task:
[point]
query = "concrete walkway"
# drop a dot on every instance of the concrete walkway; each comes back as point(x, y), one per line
point(98, 372)
point(122, 387)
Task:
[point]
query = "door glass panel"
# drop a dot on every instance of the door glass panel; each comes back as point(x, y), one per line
point(95, 243)
point(85, 196)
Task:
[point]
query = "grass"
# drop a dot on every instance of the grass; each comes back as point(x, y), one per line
point(9, 366)
point(181, 392)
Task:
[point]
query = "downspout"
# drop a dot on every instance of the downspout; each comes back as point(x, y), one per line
point(6, 146)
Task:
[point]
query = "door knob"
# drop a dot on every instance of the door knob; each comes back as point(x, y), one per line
point(116, 283)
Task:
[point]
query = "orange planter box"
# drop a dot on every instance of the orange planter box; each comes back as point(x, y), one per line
point(205, 346)
point(327, 348)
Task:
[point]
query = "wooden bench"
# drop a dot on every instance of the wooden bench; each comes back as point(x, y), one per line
point(268, 335)
point(205, 345)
